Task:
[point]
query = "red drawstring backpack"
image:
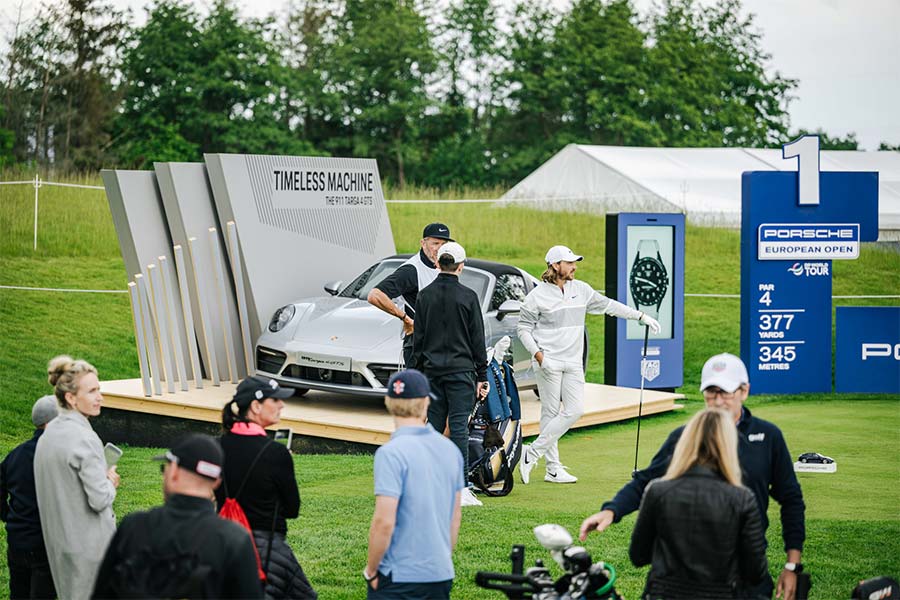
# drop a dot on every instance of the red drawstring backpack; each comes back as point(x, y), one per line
point(231, 510)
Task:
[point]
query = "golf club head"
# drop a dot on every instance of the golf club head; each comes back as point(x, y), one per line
point(576, 559)
point(552, 536)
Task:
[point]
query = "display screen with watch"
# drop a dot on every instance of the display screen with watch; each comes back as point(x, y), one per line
point(650, 251)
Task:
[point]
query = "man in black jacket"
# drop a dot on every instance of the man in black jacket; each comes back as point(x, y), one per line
point(448, 346)
point(766, 464)
point(182, 549)
point(29, 569)
point(410, 278)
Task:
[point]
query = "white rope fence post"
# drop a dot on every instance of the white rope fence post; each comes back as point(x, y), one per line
point(37, 186)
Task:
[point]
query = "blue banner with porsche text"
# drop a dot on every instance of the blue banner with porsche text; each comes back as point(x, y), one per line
point(867, 349)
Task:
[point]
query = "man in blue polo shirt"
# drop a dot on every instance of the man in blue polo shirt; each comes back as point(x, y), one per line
point(418, 479)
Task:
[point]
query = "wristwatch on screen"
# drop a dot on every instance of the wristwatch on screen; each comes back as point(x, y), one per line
point(649, 279)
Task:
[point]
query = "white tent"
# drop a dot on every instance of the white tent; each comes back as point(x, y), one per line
point(703, 183)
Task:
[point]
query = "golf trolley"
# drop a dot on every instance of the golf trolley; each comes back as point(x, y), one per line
point(583, 579)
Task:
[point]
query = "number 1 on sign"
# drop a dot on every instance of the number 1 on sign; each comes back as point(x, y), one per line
point(806, 148)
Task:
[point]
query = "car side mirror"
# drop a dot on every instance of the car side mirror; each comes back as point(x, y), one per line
point(333, 287)
point(509, 307)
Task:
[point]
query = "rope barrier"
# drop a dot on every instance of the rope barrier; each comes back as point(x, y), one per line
point(75, 185)
point(42, 289)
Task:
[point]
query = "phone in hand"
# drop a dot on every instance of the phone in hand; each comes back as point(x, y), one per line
point(284, 436)
point(112, 454)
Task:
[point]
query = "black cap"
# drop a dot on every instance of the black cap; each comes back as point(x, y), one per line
point(408, 384)
point(259, 388)
point(199, 453)
point(439, 231)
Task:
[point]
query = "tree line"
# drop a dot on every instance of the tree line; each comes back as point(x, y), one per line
point(466, 93)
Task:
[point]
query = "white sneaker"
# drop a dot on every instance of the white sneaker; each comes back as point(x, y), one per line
point(467, 498)
point(559, 475)
point(525, 465)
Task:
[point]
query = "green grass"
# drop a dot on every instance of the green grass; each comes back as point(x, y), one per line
point(853, 516)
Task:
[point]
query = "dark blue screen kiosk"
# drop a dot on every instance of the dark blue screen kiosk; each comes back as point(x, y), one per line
point(645, 270)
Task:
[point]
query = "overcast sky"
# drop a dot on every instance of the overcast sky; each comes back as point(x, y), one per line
point(844, 52)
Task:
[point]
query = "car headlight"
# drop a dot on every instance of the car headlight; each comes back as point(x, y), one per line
point(281, 318)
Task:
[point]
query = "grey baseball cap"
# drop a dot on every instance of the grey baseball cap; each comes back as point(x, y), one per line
point(44, 410)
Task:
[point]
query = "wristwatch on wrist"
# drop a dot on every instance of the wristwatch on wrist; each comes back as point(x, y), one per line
point(366, 575)
point(795, 568)
point(649, 280)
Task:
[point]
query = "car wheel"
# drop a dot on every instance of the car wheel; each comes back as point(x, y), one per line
point(300, 392)
point(804, 460)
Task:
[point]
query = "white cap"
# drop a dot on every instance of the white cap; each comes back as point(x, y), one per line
point(724, 371)
point(558, 253)
point(453, 249)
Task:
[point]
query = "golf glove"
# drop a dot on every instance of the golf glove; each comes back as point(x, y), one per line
point(650, 322)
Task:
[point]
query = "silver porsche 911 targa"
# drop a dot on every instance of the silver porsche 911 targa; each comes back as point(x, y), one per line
point(341, 343)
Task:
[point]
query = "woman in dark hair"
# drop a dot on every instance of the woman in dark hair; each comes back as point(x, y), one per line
point(260, 476)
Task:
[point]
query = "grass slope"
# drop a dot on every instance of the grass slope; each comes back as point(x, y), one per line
point(853, 521)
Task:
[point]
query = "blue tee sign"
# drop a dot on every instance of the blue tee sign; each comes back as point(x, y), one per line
point(867, 355)
point(793, 224)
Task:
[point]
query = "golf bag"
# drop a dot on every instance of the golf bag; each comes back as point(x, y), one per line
point(495, 433)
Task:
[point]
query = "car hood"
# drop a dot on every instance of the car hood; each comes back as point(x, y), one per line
point(335, 322)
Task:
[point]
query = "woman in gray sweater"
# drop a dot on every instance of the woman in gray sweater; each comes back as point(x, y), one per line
point(75, 489)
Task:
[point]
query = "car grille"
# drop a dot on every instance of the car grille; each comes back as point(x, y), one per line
point(326, 376)
point(269, 361)
point(383, 372)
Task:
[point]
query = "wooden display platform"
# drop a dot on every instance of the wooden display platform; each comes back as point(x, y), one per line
point(361, 420)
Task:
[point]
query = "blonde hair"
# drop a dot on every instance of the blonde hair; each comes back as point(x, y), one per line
point(550, 275)
point(63, 374)
point(709, 439)
point(404, 407)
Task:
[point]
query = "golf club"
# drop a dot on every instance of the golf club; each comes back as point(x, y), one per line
point(637, 441)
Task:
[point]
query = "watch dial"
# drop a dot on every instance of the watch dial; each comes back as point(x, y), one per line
point(649, 281)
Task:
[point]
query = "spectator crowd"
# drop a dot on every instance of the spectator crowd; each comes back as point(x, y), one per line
point(221, 532)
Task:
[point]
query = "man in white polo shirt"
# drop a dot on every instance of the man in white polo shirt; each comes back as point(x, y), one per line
point(551, 327)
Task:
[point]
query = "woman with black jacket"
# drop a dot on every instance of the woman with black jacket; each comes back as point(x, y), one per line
point(259, 474)
point(698, 527)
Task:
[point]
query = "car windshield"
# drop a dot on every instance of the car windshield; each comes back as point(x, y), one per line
point(362, 285)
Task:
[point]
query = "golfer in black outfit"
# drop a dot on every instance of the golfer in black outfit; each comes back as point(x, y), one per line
point(448, 346)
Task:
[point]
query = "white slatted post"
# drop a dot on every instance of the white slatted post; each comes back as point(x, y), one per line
point(205, 320)
point(222, 295)
point(149, 333)
point(162, 324)
point(188, 316)
point(172, 316)
point(238, 273)
point(139, 337)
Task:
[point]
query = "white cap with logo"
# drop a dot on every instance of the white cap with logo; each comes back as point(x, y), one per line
point(558, 253)
point(453, 249)
point(724, 371)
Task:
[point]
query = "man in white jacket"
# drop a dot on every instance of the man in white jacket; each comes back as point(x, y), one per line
point(551, 327)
